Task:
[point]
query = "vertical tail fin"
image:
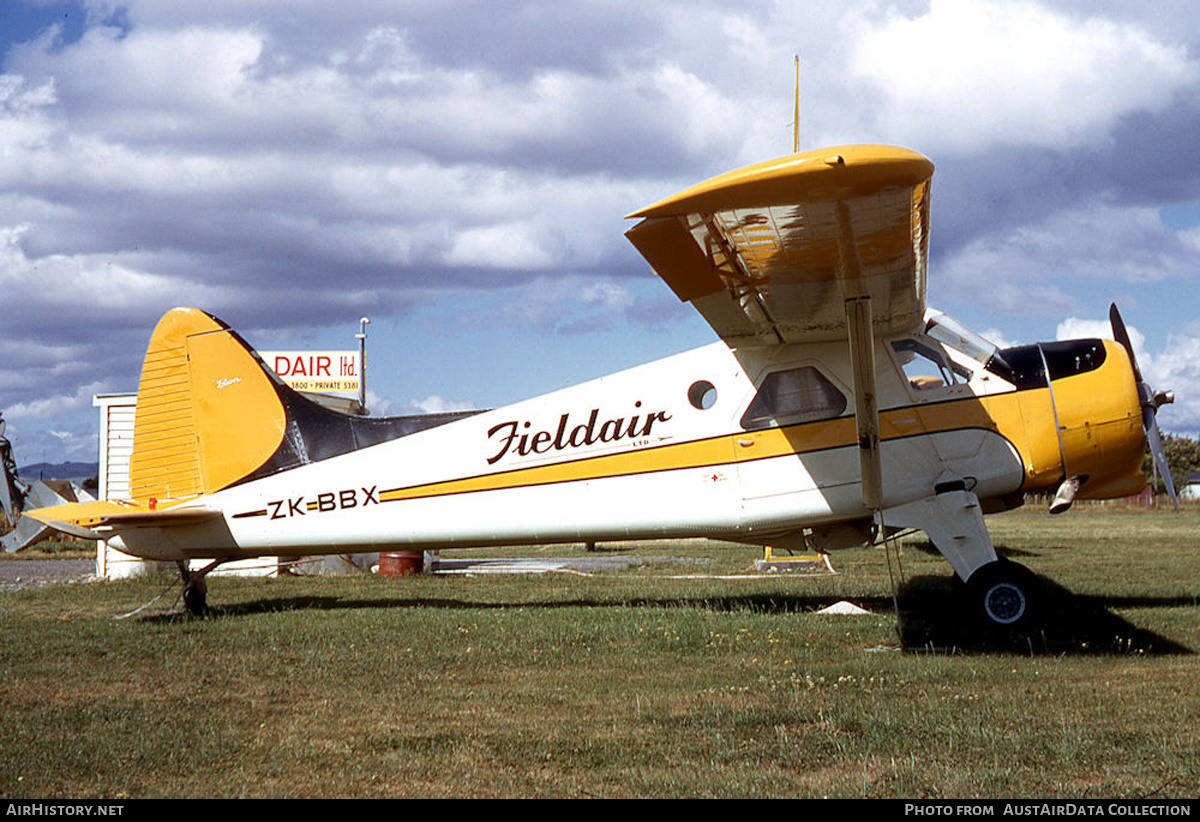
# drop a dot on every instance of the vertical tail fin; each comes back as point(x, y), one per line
point(208, 414)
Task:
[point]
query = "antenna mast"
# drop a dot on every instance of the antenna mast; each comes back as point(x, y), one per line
point(361, 336)
point(796, 112)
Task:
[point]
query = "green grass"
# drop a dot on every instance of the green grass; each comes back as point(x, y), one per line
point(625, 684)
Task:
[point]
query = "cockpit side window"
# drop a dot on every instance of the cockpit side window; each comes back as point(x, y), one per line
point(792, 396)
point(924, 367)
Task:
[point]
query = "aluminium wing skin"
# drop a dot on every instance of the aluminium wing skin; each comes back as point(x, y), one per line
point(771, 252)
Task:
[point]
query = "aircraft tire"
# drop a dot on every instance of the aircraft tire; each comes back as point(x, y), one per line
point(1003, 594)
point(195, 597)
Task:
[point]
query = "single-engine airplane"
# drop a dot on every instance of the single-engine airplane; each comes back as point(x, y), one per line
point(836, 409)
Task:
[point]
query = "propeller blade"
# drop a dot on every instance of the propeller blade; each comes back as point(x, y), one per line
point(1122, 336)
point(1160, 459)
point(1150, 403)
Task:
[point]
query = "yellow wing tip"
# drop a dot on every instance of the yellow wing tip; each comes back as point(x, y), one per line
point(822, 173)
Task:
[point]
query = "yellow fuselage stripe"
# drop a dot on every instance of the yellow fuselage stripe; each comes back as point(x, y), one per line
point(1099, 402)
point(709, 453)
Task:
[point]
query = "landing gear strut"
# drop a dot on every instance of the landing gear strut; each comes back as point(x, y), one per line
point(195, 588)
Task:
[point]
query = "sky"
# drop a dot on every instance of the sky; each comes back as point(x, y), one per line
point(460, 172)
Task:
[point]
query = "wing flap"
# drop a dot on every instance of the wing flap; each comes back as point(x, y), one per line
point(676, 257)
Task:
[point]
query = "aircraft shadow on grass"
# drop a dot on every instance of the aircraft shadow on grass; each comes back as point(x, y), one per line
point(930, 617)
point(931, 610)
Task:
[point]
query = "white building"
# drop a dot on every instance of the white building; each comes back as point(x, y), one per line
point(1191, 486)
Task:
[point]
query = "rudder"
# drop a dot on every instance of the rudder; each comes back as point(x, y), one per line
point(208, 413)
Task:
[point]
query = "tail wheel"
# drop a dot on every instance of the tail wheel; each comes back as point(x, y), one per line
point(1002, 593)
point(195, 596)
point(195, 588)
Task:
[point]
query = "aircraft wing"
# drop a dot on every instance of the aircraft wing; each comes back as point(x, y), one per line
point(771, 253)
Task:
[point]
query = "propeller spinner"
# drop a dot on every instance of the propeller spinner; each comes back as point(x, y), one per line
point(1150, 401)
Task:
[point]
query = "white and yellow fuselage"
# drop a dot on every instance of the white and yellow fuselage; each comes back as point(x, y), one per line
point(811, 270)
point(662, 450)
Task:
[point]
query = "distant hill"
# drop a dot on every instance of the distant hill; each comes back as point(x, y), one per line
point(77, 471)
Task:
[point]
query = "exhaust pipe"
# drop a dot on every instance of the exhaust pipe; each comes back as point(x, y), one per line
point(1066, 494)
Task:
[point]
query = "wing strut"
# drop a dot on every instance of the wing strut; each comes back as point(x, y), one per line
point(861, 330)
point(866, 418)
point(866, 407)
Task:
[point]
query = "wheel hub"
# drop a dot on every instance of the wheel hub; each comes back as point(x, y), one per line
point(1004, 603)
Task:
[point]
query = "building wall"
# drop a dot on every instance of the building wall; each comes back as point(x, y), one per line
point(116, 443)
point(116, 446)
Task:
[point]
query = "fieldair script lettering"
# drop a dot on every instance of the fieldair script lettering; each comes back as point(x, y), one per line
point(516, 437)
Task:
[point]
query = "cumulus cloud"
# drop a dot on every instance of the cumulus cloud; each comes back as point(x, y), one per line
point(557, 301)
point(967, 75)
point(1177, 368)
point(1044, 266)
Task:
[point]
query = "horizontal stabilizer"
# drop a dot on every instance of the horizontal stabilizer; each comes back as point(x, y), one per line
point(101, 520)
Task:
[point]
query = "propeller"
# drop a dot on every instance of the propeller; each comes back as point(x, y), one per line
point(1150, 400)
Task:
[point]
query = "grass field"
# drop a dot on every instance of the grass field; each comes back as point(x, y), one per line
point(624, 684)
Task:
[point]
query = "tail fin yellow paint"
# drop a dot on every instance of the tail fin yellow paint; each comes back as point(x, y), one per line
point(208, 413)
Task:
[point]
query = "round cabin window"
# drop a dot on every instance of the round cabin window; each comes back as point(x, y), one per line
point(702, 395)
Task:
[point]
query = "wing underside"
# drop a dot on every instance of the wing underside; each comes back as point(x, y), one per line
point(771, 253)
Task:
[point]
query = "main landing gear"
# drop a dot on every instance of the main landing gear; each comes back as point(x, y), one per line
point(1003, 595)
point(195, 588)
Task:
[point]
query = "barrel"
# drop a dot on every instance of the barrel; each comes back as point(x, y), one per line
point(401, 563)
